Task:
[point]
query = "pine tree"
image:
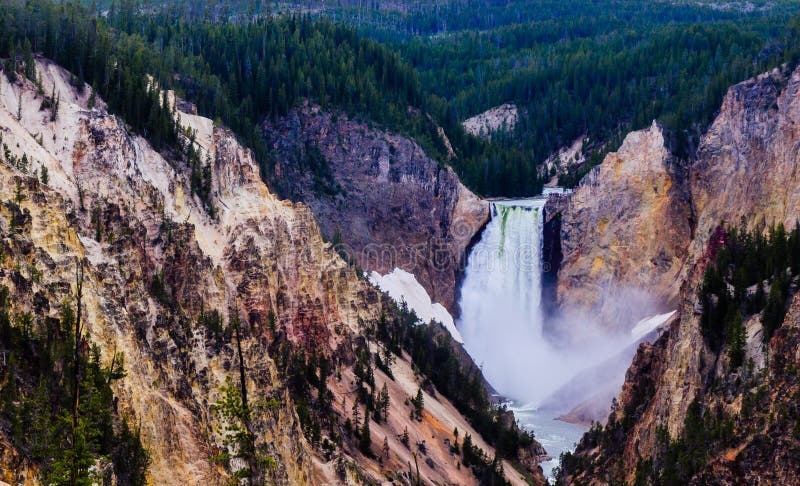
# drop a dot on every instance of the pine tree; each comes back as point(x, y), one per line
point(38, 83)
point(56, 105)
point(79, 449)
point(19, 195)
point(248, 447)
point(29, 66)
point(737, 340)
point(356, 414)
point(418, 402)
point(238, 439)
point(364, 440)
point(467, 451)
point(92, 99)
point(384, 402)
point(775, 309)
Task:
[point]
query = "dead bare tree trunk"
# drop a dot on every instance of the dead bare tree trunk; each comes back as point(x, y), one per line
point(250, 452)
point(73, 476)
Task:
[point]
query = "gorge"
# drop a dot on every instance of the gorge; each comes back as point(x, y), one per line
point(241, 249)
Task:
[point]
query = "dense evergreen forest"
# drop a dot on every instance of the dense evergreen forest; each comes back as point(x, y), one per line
point(577, 68)
point(595, 78)
point(583, 69)
point(751, 273)
point(237, 73)
point(242, 72)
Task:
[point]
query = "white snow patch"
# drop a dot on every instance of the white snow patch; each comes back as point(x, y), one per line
point(648, 324)
point(404, 287)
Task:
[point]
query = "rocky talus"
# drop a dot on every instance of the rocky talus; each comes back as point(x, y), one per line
point(744, 173)
point(158, 265)
point(378, 196)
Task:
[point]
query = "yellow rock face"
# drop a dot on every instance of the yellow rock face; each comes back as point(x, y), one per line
point(745, 171)
point(626, 228)
point(130, 216)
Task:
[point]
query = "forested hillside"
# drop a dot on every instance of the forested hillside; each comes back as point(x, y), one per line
point(237, 73)
point(577, 69)
point(599, 70)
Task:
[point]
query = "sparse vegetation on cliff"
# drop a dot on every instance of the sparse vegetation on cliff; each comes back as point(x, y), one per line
point(432, 350)
point(742, 265)
point(66, 431)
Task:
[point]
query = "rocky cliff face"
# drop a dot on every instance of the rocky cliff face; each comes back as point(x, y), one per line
point(503, 117)
point(627, 227)
point(746, 163)
point(378, 196)
point(159, 268)
point(744, 171)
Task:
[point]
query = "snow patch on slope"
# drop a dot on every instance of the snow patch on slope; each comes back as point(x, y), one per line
point(648, 324)
point(404, 287)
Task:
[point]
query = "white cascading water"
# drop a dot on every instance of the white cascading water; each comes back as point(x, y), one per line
point(501, 317)
point(501, 321)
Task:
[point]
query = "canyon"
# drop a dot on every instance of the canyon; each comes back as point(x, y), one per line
point(163, 271)
point(272, 281)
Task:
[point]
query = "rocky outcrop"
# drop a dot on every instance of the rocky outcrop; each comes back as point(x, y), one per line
point(627, 227)
point(746, 164)
point(744, 172)
point(161, 274)
point(503, 117)
point(765, 447)
point(378, 196)
point(566, 160)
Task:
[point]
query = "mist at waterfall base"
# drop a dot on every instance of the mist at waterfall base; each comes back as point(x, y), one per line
point(502, 324)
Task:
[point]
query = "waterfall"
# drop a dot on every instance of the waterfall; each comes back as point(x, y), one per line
point(501, 315)
point(501, 318)
point(501, 323)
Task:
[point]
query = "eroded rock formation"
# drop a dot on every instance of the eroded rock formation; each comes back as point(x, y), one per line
point(378, 196)
point(744, 172)
point(503, 117)
point(159, 269)
point(626, 228)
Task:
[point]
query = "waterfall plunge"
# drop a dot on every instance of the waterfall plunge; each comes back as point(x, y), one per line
point(501, 317)
point(502, 326)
